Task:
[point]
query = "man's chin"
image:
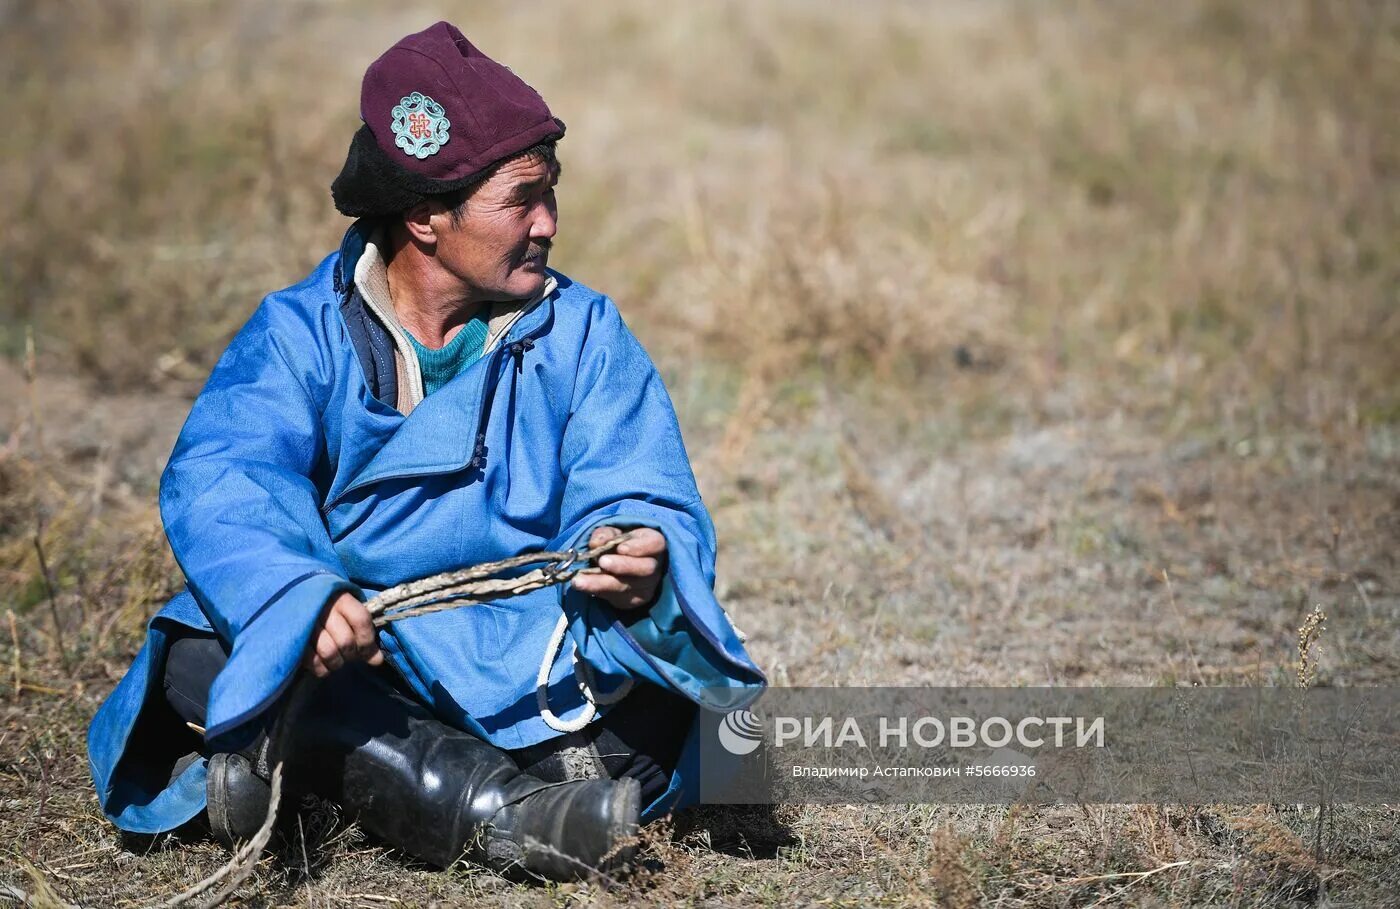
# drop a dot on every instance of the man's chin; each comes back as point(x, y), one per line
point(529, 280)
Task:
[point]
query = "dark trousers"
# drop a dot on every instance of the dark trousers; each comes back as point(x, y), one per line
point(640, 737)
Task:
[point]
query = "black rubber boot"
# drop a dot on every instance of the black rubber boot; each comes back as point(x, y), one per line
point(439, 793)
point(238, 798)
point(568, 830)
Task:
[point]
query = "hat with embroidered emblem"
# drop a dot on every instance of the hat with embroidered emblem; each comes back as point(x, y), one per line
point(438, 113)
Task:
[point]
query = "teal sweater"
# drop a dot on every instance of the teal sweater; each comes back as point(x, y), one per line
point(440, 366)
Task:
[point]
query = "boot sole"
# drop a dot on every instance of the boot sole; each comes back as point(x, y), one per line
point(216, 794)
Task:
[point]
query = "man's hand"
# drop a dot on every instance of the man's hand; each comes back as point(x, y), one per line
point(631, 573)
point(346, 635)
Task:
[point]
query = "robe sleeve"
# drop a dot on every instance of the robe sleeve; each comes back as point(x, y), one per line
point(625, 465)
point(242, 512)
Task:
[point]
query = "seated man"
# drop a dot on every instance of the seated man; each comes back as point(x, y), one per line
point(431, 397)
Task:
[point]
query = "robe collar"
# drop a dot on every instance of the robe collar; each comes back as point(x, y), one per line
point(433, 439)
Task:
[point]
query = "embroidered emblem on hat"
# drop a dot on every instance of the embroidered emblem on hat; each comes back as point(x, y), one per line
point(419, 125)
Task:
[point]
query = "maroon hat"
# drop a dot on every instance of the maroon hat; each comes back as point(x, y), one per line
point(438, 113)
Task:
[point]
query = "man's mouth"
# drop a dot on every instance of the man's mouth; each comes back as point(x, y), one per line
point(536, 254)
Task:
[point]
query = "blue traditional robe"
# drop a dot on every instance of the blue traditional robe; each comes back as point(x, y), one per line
point(291, 482)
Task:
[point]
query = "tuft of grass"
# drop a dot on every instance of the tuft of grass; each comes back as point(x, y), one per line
point(1310, 647)
point(954, 882)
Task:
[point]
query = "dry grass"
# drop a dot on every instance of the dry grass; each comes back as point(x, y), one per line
point(1014, 344)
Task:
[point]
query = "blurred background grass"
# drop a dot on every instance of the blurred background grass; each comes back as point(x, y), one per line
point(1013, 344)
point(1147, 203)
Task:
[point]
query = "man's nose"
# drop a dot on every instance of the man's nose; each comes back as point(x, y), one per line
point(546, 221)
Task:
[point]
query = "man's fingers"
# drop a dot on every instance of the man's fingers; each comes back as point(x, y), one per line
point(326, 647)
point(599, 583)
point(361, 626)
point(631, 566)
point(621, 593)
point(340, 630)
point(329, 652)
point(645, 541)
point(601, 535)
point(346, 635)
point(377, 659)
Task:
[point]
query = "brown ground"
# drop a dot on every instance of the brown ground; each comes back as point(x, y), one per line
point(1012, 345)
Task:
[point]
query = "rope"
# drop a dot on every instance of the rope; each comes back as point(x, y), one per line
point(476, 585)
point(586, 686)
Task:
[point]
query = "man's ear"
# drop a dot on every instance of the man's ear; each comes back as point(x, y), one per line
point(418, 221)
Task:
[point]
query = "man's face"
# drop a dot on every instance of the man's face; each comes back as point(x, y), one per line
point(499, 245)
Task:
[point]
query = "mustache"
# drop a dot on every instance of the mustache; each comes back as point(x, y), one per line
point(538, 247)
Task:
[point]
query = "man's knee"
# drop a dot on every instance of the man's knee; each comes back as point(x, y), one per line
point(640, 738)
point(191, 664)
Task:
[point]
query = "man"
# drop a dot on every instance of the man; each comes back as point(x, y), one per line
point(432, 396)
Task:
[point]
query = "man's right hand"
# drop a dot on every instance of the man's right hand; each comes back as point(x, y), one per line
point(346, 635)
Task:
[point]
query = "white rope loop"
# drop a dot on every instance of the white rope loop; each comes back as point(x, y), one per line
point(586, 685)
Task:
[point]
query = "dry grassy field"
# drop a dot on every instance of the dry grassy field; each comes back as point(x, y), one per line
point(1014, 344)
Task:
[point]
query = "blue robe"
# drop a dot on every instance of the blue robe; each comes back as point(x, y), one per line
point(291, 482)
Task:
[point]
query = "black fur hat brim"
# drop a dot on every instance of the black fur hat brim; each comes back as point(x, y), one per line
point(372, 186)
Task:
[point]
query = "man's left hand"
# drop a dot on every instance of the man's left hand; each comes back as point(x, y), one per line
point(629, 575)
